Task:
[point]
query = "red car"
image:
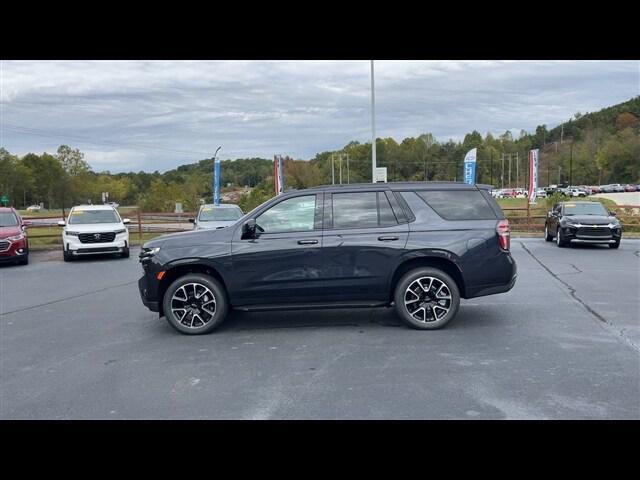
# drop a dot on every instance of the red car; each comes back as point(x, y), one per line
point(14, 245)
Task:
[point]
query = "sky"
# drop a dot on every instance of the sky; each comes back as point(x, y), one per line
point(157, 115)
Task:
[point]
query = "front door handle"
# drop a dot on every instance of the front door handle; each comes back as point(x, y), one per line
point(388, 239)
point(307, 242)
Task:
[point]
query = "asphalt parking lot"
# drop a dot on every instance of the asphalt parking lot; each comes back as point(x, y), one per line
point(76, 343)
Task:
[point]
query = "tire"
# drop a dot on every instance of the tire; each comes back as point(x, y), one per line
point(559, 239)
point(24, 260)
point(205, 286)
point(438, 282)
point(125, 253)
point(615, 245)
point(547, 236)
point(66, 255)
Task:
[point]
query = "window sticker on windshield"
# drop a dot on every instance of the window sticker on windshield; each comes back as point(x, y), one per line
point(570, 205)
point(77, 212)
point(207, 209)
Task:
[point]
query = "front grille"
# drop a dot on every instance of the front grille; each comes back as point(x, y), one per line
point(4, 245)
point(594, 232)
point(98, 250)
point(101, 237)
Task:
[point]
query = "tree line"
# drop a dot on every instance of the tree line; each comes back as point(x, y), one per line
point(591, 149)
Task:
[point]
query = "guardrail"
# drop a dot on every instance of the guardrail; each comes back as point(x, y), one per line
point(522, 219)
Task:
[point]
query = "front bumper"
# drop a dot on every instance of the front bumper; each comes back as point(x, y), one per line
point(15, 250)
point(75, 247)
point(604, 234)
point(145, 294)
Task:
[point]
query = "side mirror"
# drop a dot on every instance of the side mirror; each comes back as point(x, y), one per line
point(126, 221)
point(249, 229)
point(192, 220)
point(61, 223)
point(613, 214)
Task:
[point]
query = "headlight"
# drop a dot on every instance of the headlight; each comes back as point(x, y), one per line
point(121, 231)
point(73, 234)
point(18, 237)
point(147, 253)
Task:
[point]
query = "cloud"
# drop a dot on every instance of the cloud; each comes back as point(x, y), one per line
point(156, 115)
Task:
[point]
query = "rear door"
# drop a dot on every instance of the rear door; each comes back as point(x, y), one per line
point(363, 240)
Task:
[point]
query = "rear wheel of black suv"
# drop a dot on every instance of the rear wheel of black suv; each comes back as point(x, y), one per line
point(426, 298)
point(195, 304)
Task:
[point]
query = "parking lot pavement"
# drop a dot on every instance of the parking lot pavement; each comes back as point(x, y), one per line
point(75, 342)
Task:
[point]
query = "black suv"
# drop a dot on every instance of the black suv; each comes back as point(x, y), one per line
point(420, 246)
point(582, 222)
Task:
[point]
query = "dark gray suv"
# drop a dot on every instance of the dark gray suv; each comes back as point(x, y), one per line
point(418, 246)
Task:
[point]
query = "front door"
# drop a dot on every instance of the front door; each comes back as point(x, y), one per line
point(283, 264)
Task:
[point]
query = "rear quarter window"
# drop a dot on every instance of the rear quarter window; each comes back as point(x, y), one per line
point(459, 204)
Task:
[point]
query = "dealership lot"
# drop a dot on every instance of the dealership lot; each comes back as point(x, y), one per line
point(76, 342)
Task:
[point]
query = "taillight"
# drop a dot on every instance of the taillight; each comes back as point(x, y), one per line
point(504, 234)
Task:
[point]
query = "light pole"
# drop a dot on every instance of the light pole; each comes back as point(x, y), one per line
point(216, 178)
point(373, 128)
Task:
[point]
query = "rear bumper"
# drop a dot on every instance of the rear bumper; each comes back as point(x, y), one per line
point(492, 289)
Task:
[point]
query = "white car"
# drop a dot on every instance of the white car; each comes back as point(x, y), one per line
point(34, 208)
point(94, 229)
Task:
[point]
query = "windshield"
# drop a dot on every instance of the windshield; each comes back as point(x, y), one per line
point(93, 216)
point(584, 209)
point(212, 214)
point(8, 219)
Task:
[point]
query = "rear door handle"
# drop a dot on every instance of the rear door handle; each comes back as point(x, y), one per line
point(307, 242)
point(388, 239)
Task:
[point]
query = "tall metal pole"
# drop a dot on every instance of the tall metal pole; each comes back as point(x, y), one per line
point(333, 172)
point(491, 169)
point(571, 165)
point(340, 157)
point(373, 128)
point(216, 178)
point(348, 168)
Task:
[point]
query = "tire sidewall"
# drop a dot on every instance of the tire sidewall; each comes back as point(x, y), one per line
point(406, 280)
point(218, 292)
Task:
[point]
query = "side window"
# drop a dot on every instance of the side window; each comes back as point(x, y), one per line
point(362, 210)
point(292, 215)
point(458, 204)
point(387, 218)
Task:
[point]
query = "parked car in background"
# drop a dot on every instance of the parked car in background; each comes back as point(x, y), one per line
point(576, 192)
point(541, 193)
point(582, 222)
point(14, 244)
point(594, 189)
point(420, 247)
point(617, 188)
point(94, 229)
point(113, 204)
point(630, 188)
point(216, 216)
point(34, 208)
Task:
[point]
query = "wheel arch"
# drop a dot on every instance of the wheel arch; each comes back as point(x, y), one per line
point(440, 260)
point(183, 269)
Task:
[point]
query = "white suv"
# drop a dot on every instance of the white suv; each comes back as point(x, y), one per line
point(94, 229)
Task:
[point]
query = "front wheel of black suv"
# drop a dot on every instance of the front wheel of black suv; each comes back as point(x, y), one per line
point(426, 298)
point(615, 245)
point(195, 304)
